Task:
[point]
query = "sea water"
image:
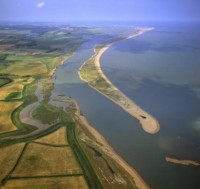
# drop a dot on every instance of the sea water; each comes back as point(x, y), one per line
point(159, 70)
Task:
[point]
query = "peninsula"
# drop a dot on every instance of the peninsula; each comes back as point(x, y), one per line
point(91, 73)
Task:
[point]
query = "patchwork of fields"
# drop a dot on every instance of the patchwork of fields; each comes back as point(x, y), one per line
point(42, 139)
point(42, 161)
point(46, 160)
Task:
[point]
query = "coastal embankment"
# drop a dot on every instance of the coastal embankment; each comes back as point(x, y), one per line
point(103, 145)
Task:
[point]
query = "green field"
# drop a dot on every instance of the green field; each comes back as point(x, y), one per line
point(29, 54)
point(4, 81)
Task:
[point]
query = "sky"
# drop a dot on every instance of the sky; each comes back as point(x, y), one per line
point(99, 10)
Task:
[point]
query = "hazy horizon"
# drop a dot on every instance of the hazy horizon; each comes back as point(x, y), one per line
point(105, 10)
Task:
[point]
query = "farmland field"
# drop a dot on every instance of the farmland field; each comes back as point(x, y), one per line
point(57, 138)
point(6, 109)
point(42, 160)
point(8, 158)
point(77, 182)
point(14, 89)
point(4, 81)
point(4, 47)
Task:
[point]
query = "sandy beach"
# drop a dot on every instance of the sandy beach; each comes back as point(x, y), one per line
point(108, 150)
point(147, 121)
point(182, 161)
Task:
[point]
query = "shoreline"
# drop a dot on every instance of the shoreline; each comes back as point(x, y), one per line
point(64, 58)
point(147, 121)
point(137, 179)
point(108, 150)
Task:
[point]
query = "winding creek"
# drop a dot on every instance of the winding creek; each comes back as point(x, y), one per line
point(145, 152)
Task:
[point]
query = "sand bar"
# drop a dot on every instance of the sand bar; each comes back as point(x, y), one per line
point(147, 121)
point(182, 161)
